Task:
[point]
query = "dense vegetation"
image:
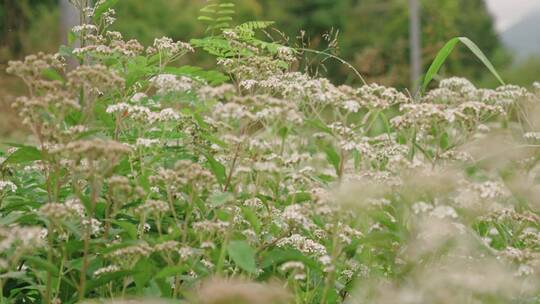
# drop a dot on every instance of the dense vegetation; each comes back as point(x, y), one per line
point(370, 34)
point(252, 182)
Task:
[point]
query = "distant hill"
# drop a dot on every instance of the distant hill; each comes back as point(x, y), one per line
point(523, 38)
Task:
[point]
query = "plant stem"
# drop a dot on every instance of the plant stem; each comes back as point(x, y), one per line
point(49, 259)
point(84, 268)
point(1, 291)
point(330, 282)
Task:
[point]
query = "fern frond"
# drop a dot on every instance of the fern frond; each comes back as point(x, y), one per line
point(254, 25)
point(217, 14)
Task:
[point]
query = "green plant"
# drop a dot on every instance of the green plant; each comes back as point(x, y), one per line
point(256, 183)
point(443, 54)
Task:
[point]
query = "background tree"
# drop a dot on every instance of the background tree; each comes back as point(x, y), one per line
point(373, 34)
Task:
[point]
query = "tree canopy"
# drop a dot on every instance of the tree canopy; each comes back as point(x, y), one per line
point(370, 34)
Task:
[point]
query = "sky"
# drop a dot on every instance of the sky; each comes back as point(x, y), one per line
point(508, 12)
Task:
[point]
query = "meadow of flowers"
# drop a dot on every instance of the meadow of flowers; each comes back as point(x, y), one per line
point(257, 183)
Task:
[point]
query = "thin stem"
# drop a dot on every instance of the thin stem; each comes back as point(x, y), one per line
point(50, 261)
point(338, 59)
point(331, 276)
point(233, 165)
point(84, 268)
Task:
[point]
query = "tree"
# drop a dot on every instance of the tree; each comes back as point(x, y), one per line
point(24, 25)
point(373, 34)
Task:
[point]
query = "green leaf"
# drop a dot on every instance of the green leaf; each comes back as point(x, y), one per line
point(91, 285)
point(444, 141)
point(283, 132)
point(100, 110)
point(210, 76)
point(446, 50)
point(253, 219)
point(42, 264)
point(205, 18)
point(128, 227)
point(10, 218)
point(254, 25)
point(226, 12)
point(209, 9)
point(24, 154)
point(278, 256)
point(145, 269)
point(319, 125)
point(478, 53)
point(170, 271)
point(217, 168)
point(220, 198)
point(243, 255)
point(13, 275)
point(65, 51)
point(137, 69)
point(51, 74)
point(333, 157)
point(72, 37)
point(224, 19)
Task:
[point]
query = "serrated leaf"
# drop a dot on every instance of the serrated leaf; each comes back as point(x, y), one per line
point(205, 18)
point(23, 154)
point(220, 198)
point(224, 19)
point(243, 255)
point(208, 9)
point(218, 169)
point(226, 12)
point(41, 264)
point(210, 76)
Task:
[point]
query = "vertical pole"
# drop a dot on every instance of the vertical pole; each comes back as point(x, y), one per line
point(415, 44)
point(69, 17)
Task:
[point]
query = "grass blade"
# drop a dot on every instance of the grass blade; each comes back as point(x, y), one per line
point(480, 55)
point(447, 49)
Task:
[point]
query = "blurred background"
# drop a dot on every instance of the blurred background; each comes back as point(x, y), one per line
point(373, 35)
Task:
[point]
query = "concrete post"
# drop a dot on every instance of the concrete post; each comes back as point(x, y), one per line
point(415, 45)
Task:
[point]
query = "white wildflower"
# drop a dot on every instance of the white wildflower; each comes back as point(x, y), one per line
point(147, 142)
point(7, 186)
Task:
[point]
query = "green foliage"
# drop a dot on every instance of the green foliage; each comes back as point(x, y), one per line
point(218, 14)
point(243, 255)
point(379, 51)
point(148, 177)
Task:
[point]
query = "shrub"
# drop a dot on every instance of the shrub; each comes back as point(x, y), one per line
point(146, 179)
